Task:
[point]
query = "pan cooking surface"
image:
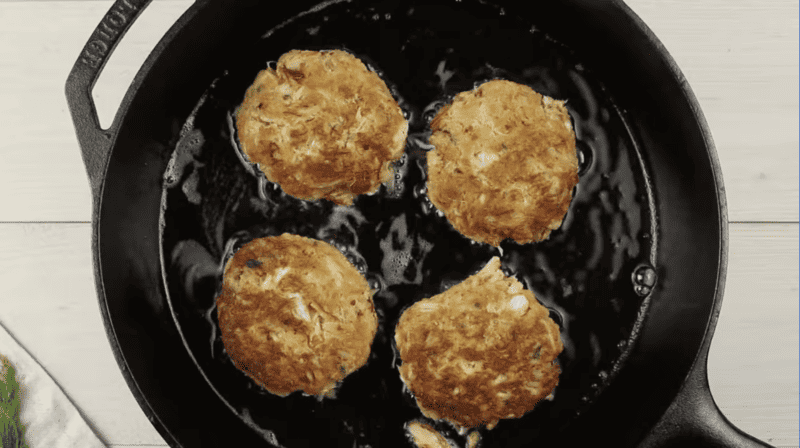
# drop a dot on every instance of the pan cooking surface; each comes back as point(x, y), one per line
point(592, 273)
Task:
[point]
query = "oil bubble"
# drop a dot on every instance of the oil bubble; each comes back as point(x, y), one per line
point(557, 317)
point(585, 157)
point(645, 275)
point(170, 180)
point(357, 262)
point(428, 116)
point(262, 188)
point(430, 111)
point(643, 278)
point(375, 285)
point(427, 207)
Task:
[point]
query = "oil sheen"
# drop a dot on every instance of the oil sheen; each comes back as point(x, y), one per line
point(594, 273)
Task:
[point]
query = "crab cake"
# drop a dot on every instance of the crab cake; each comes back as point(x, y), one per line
point(504, 163)
point(482, 351)
point(473, 439)
point(294, 314)
point(424, 436)
point(321, 125)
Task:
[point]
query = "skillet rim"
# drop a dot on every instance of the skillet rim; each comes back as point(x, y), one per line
point(180, 25)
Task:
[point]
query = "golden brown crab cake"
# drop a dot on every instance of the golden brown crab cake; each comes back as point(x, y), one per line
point(482, 351)
point(322, 125)
point(504, 163)
point(295, 314)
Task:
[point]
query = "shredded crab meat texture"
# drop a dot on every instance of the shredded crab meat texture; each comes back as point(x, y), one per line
point(483, 159)
point(300, 307)
point(519, 303)
point(271, 281)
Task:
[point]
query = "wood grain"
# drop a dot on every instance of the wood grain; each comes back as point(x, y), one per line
point(43, 176)
point(49, 304)
point(740, 57)
point(753, 361)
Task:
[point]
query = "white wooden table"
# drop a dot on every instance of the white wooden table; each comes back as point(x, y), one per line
point(740, 57)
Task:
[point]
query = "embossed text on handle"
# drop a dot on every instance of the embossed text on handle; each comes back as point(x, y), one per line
point(106, 33)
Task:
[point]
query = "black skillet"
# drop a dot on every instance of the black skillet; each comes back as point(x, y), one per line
point(634, 277)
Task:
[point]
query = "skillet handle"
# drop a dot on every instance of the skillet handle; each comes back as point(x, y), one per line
point(694, 420)
point(94, 141)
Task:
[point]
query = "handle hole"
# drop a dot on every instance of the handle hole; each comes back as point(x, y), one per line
point(130, 54)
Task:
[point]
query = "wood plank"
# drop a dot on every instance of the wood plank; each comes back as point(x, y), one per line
point(57, 319)
point(42, 175)
point(741, 59)
point(49, 305)
point(753, 361)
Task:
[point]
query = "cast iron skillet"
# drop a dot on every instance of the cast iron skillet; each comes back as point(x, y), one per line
point(655, 392)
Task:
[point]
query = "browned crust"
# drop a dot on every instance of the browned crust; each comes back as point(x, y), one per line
point(322, 125)
point(265, 333)
point(471, 359)
point(526, 142)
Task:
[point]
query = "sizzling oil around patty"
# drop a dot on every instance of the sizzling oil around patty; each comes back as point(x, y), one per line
point(213, 204)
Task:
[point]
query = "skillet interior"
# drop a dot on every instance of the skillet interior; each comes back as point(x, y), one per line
point(214, 203)
point(151, 128)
